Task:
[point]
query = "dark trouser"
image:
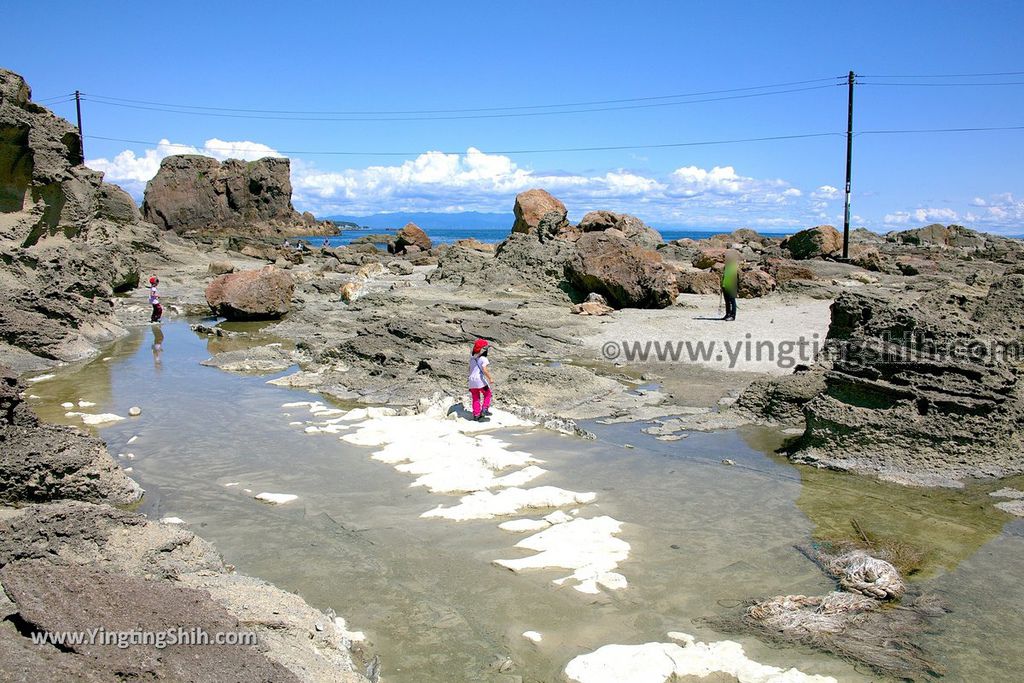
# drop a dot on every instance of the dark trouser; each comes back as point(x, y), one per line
point(730, 305)
point(158, 312)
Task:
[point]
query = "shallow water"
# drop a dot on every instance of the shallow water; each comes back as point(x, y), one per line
point(704, 535)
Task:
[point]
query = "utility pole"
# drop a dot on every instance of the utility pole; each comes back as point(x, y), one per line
point(81, 138)
point(849, 168)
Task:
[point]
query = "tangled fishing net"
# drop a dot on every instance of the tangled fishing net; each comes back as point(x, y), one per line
point(866, 622)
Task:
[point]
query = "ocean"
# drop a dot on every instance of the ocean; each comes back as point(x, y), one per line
point(492, 235)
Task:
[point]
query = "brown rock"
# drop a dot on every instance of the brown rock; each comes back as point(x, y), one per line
point(708, 257)
point(756, 283)
point(77, 599)
point(818, 242)
point(532, 206)
point(627, 274)
point(631, 227)
point(264, 294)
point(866, 257)
point(784, 270)
point(350, 291)
point(476, 245)
point(412, 235)
point(221, 267)
point(692, 281)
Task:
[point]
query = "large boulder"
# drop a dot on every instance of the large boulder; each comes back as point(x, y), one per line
point(709, 257)
point(628, 275)
point(942, 236)
point(264, 294)
point(197, 193)
point(411, 235)
point(696, 281)
point(755, 283)
point(631, 227)
point(532, 206)
point(818, 242)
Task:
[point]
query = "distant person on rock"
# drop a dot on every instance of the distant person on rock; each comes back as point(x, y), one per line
point(154, 300)
point(731, 284)
point(326, 244)
point(480, 381)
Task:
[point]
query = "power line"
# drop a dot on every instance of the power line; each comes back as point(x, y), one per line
point(459, 152)
point(942, 85)
point(460, 117)
point(974, 75)
point(461, 111)
point(595, 148)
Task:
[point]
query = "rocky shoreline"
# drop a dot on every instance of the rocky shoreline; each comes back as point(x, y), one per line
point(887, 393)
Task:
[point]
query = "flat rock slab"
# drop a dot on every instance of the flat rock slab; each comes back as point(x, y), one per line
point(76, 599)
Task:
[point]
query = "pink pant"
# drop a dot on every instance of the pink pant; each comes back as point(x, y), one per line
point(477, 394)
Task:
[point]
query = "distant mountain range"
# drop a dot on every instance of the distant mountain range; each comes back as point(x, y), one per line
point(474, 220)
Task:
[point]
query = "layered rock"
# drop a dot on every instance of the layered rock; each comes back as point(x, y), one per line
point(264, 294)
point(634, 229)
point(193, 193)
point(915, 393)
point(68, 241)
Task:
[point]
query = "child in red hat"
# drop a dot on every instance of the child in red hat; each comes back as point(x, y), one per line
point(154, 299)
point(480, 381)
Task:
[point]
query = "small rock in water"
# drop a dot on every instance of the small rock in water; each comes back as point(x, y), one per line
point(67, 404)
point(135, 411)
point(172, 520)
point(85, 404)
point(532, 635)
point(727, 461)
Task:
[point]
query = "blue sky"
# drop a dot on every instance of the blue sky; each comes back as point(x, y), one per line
point(402, 56)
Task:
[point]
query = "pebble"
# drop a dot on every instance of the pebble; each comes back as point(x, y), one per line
point(727, 461)
point(135, 411)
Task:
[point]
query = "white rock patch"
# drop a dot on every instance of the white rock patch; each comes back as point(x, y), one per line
point(95, 419)
point(276, 498)
point(661, 662)
point(172, 520)
point(588, 547)
point(485, 505)
point(533, 636)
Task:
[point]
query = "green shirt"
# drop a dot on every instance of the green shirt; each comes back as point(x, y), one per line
point(730, 278)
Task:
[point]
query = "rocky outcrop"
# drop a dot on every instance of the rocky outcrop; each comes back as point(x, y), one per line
point(193, 193)
point(533, 206)
point(264, 294)
point(628, 275)
point(411, 235)
point(942, 236)
point(917, 392)
point(818, 242)
point(634, 229)
point(68, 241)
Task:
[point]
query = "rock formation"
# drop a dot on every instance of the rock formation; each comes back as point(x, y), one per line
point(627, 274)
point(68, 241)
point(823, 240)
point(264, 294)
point(411, 235)
point(192, 193)
point(532, 206)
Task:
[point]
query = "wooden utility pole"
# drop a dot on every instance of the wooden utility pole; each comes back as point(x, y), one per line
point(849, 168)
point(81, 138)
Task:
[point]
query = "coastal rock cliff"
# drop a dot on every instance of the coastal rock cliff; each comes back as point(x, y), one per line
point(193, 193)
point(68, 240)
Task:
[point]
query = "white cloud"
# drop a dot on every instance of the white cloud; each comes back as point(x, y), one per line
point(826, 192)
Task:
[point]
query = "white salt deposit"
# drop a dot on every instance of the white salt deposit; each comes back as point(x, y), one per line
point(231, 483)
point(586, 546)
point(1007, 492)
point(533, 635)
point(133, 439)
point(40, 378)
point(67, 405)
point(96, 419)
point(172, 520)
point(485, 504)
point(85, 404)
point(342, 628)
point(276, 498)
point(662, 662)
